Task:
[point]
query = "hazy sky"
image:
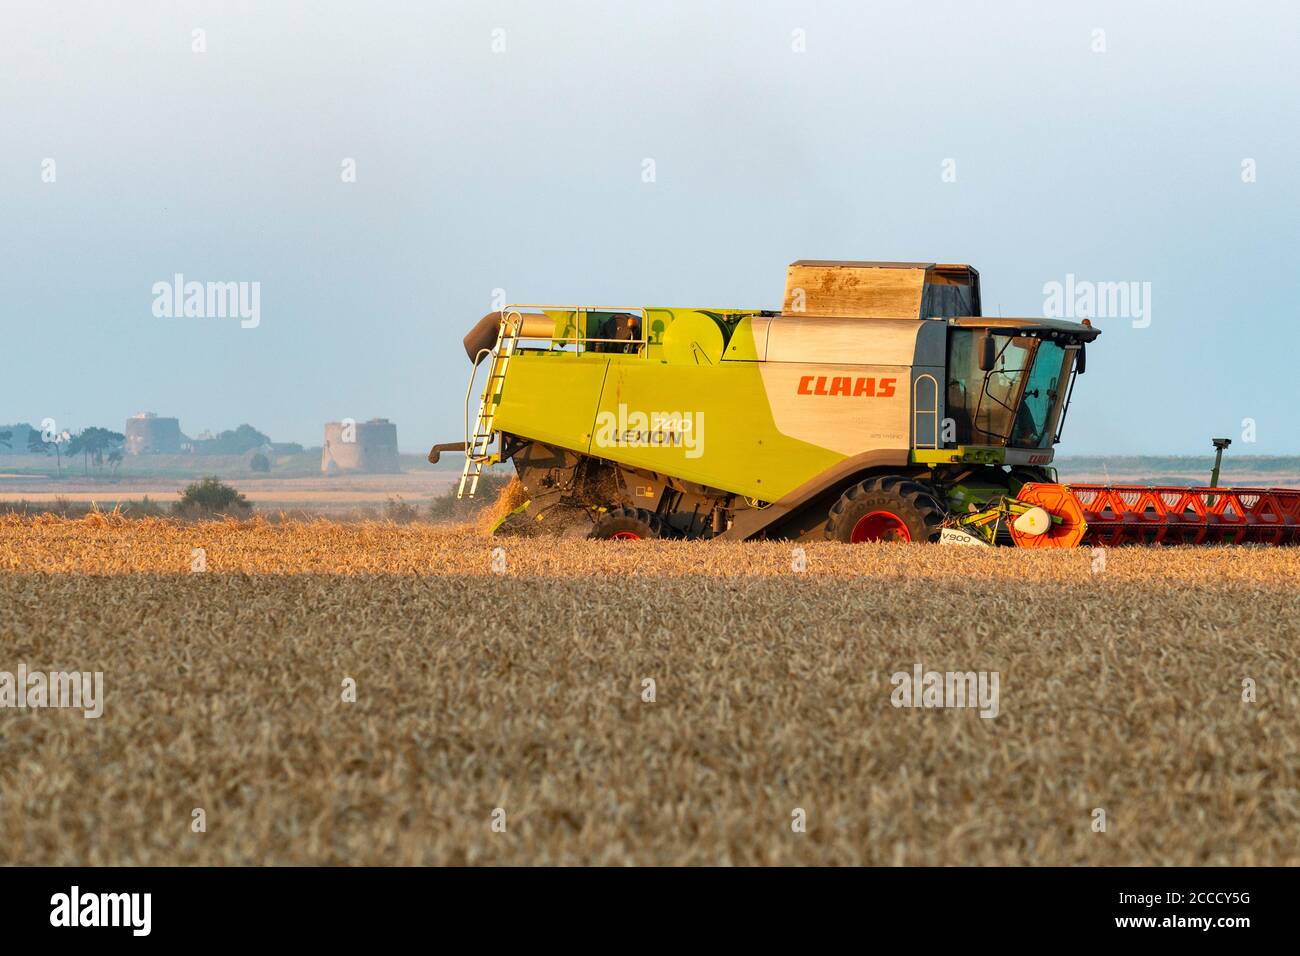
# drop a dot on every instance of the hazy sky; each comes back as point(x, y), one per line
point(522, 170)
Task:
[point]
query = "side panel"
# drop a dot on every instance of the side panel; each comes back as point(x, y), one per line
point(552, 397)
point(706, 424)
point(755, 428)
point(849, 409)
point(845, 341)
point(929, 380)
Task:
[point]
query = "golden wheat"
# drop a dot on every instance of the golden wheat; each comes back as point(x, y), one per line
point(1120, 690)
point(511, 497)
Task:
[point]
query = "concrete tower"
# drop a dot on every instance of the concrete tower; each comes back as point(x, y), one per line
point(146, 433)
point(360, 448)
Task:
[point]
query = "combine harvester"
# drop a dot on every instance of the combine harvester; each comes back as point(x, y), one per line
point(878, 405)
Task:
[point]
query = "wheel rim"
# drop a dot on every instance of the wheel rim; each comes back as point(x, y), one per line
point(880, 526)
point(624, 536)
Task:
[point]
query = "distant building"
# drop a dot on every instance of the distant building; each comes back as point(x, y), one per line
point(196, 445)
point(360, 447)
point(146, 433)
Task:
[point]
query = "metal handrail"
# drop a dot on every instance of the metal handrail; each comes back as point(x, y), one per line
point(642, 310)
point(576, 309)
point(469, 391)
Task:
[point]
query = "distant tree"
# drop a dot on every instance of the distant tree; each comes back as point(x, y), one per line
point(37, 445)
point(243, 439)
point(15, 435)
point(211, 496)
point(92, 444)
point(114, 459)
point(260, 462)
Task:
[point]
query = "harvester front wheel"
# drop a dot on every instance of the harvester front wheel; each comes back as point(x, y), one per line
point(628, 524)
point(890, 508)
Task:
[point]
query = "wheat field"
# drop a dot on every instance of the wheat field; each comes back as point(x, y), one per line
point(500, 718)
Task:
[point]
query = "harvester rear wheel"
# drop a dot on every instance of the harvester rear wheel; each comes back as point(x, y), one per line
point(629, 524)
point(890, 508)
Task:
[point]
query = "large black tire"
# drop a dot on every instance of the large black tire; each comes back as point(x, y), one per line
point(629, 524)
point(889, 508)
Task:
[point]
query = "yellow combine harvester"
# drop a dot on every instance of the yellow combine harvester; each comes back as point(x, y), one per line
point(878, 404)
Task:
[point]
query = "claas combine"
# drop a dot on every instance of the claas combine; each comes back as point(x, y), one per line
point(879, 404)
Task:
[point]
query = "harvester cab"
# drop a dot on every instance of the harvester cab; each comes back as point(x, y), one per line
point(877, 404)
point(1009, 380)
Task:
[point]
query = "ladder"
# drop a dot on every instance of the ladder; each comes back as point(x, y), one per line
point(478, 441)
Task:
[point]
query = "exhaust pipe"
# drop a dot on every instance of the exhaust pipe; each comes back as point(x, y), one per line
point(485, 331)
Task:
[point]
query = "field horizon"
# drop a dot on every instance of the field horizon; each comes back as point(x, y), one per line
point(293, 488)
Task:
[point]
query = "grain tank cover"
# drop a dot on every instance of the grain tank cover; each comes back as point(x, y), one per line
point(819, 340)
point(882, 290)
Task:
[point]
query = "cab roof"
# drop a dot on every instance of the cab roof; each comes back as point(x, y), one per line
point(1083, 330)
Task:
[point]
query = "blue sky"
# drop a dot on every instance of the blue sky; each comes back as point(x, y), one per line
point(522, 170)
